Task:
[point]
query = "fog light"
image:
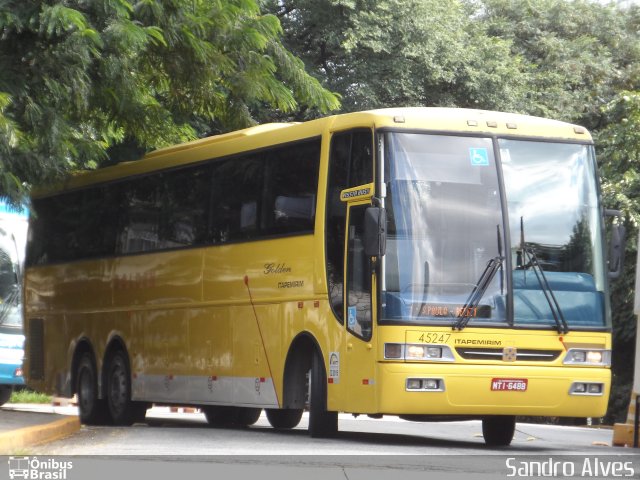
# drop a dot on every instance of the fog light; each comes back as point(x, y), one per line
point(425, 384)
point(586, 388)
point(579, 388)
point(414, 384)
point(18, 372)
point(431, 384)
point(594, 388)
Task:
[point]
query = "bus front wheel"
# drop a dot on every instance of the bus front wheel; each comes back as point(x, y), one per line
point(322, 424)
point(224, 416)
point(284, 419)
point(248, 416)
point(498, 430)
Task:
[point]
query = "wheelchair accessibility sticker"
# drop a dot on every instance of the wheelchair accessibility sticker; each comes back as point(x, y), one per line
point(479, 157)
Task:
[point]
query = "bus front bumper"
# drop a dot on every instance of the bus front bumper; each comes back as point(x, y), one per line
point(447, 389)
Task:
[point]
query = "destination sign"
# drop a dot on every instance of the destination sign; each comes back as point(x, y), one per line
point(451, 311)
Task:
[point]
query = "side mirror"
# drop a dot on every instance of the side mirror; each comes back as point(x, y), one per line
point(375, 231)
point(616, 245)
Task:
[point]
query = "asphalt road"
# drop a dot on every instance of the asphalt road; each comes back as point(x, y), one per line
point(181, 445)
point(170, 434)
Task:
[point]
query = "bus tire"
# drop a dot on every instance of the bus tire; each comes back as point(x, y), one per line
point(91, 410)
point(322, 424)
point(247, 416)
point(498, 430)
point(5, 393)
point(122, 410)
point(221, 416)
point(284, 419)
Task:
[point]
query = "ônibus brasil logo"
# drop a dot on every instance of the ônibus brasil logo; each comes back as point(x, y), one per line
point(38, 469)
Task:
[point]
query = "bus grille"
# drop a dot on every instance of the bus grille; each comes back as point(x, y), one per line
point(524, 355)
point(36, 349)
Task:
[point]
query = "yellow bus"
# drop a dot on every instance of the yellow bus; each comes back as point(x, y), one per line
point(427, 263)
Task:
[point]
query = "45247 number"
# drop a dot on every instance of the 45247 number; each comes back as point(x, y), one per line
point(434, 337)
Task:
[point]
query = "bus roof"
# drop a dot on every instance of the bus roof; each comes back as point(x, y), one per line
point(455, 120)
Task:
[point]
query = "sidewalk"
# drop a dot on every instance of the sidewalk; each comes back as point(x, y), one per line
point(24, 425)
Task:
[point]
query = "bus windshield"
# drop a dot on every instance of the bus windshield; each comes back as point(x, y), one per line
point(449, 256)
point(552, 198)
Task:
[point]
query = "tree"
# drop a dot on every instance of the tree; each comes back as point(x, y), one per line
point(382, 53)
point(619, 155)
point(575, 54)
point(84, 83)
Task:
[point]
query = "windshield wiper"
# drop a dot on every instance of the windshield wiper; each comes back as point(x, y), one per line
point(554, 306)
point(481, 286)
point(478, 292)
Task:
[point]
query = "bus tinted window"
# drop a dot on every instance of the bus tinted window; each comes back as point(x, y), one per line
point(291, 186)
point(101, 215)
point(236, 193)
point(185, 202)
point(141, 206)
point(234, 199)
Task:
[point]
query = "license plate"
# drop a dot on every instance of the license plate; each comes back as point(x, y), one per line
point(509, 384)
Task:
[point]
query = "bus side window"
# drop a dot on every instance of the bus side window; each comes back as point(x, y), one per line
point(291, 188)
point(235, 210)
point(142, 203)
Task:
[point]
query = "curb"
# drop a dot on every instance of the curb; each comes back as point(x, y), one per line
point(15, 440)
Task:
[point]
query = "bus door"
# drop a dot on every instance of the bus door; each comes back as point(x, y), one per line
point(359, 354)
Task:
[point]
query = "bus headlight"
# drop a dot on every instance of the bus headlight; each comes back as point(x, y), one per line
point(417, 352)
point(592, 357)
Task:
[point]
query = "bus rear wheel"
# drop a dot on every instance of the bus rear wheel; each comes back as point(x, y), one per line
point(122, 410)
point(284, 419)
point(92, 410)
point(322, 424)
point(498, 430)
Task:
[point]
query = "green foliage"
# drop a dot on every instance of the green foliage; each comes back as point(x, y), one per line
point(82, 83)
point(619, 154)
point(401, 53)
point(29, 396)
point(576, 55)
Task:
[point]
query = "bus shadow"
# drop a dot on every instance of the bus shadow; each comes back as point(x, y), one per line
point(372, 439)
